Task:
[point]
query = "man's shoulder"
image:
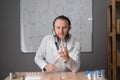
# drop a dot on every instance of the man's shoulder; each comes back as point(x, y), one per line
point(49, 36)
point(75, 41)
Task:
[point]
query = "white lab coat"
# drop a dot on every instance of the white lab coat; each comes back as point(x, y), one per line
point(47, 54)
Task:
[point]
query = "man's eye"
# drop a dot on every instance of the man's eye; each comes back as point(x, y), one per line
point(58, 27)
point(65, 27)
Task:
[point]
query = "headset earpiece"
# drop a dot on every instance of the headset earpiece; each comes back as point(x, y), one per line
point(53, 32)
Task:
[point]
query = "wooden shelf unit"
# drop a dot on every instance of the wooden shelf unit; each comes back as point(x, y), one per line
point(112, 31)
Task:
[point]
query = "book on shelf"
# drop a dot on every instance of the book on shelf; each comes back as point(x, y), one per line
point(118, 26)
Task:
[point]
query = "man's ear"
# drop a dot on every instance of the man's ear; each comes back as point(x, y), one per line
point(69, 28)
point(54, 31)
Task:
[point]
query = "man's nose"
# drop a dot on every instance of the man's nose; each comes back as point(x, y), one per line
point(61, 30)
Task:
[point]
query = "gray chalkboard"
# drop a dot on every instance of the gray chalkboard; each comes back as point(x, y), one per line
point(36, 17)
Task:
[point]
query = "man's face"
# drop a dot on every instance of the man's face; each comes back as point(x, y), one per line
point(61, 28)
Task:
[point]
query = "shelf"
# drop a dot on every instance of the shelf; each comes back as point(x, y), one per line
point(118, 0)
point(112, 28)
point(118, 26)
point(118, 58)
point(110, 35)
point(109, 2)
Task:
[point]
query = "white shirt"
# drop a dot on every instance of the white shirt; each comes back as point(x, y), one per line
point(47, 54)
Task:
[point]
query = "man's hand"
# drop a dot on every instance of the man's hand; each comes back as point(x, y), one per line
point(63, 52)
point(50, 68)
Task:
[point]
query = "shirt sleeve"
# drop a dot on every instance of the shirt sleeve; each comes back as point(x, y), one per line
point(74, 61)
point(40, 54)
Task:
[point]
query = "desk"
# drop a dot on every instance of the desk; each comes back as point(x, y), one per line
point(55, 75)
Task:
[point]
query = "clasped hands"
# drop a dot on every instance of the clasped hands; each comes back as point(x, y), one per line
point(63, 52)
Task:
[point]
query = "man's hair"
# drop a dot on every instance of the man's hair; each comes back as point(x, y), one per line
point(63, 18)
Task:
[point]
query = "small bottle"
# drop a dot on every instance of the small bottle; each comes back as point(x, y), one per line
point(102, 74)
point(89, 76)
point(10, 76)
point(94, 76)
point(62, 43)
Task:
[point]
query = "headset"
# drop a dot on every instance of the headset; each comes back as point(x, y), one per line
point(53, 32)
point(63, 18)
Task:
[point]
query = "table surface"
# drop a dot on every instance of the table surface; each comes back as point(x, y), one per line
point(52, 76)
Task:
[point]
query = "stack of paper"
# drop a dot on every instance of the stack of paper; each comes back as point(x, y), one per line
point(33, 78)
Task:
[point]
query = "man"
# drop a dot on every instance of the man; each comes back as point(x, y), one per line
point(59, 51)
